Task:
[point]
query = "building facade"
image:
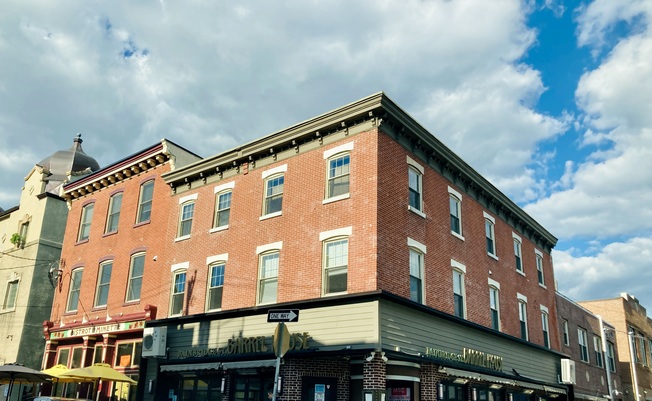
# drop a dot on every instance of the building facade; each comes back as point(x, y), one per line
point(633, 335)
point(590, 343)
point(108, 285)
point(415, 278)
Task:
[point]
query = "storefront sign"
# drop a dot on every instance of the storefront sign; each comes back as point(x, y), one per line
point(245, 345)
point(469, 356)
point(99, 329)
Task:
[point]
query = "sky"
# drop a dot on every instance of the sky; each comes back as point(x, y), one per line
point(550, 100)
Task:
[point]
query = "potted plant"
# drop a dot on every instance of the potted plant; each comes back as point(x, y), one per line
point(16, 239)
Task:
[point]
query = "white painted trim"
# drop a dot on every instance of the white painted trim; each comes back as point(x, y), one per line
point(489, 217)
point(268, 247)
point(521, 297)
point(338, 232)
point(416, 165)
point(538, 252)
point(180, 266)
point(517, 237)
point(347, 147)
point(458, 266)
point(217, 258)
point(458, 195)
point(544, 309)
point(220, 188)
point(418, 245)
point(279, 169)
point(493, 283)
point(187, 198)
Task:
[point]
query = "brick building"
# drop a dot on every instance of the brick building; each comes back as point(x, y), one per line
point(107, 285)
point(415, 277)
point(633, 335)
point(590, 343)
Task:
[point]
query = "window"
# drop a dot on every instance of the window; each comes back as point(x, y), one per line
point(336, 256)
point(75, 286)
point(274, 194)
point(489, 223)
point(215, 285)
point(338, 175)
point(178, 293)
point(452, 392)
point(76, 360)
point(416, 276)
point(522, 315)
point(136, 271)
point(414, 184)
point(115, 203)
point(459, 308)
point(611, 356)
point(583, 342)
point(566, 333)
point(544, 326)
point(597, 349)
point(185, 218)
point(649, 349)
point(98, 356)
point(24, 227)
point(145, 202)
point(103, 282)
point(268, 277)
point(641, 349)
point(456, 214)
point(539, 260)
point(222, 208)
point(128, 354)
point(517, 253)
point(63, 356)
point(10, 295)
point(494, 304)
point(85, 223)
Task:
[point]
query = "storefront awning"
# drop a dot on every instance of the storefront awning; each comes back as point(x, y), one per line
point(590, 397)
point(186, 367)
point(264, 363)
point(499, 380)
point(556, 390)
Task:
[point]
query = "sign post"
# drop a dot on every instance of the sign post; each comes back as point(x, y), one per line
point(281, 337)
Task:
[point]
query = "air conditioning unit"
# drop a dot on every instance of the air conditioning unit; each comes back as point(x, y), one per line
point(567, 371)
point(154, 341)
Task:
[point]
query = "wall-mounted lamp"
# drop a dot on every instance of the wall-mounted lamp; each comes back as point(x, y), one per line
point(279, 387)
point(528, 391)
point(384, 358)
point(150, 386)
point(441, 391)
point(495, 386)
point(223, 385)
point(459, 380)
point(370, 357)
point(474, 394)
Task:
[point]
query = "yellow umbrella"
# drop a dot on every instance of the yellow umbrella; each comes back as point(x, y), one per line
point(99, 371)
point(57, 372)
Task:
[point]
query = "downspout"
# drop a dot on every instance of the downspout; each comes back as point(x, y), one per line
point(604, 357)
point(632, 360)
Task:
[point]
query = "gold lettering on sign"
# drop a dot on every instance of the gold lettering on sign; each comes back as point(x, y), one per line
point(470, 357)
point(245, 345)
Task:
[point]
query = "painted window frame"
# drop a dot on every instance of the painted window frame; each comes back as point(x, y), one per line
point(611, 356)
point(135, 353)
point(215, 282)
point(490, 234)
point(268, 253)
point(135, 281)
point(415, 187)
point(145, 202)
point(338, 176)
point(518, 253)
point(103, 284)
point(545, 325)
point(597, 351)
point(417, 257)
point(583, 342)
point(113, 213)
point(85, 222)
point(538, 257)
point(222, 216)
point(11, 294)
point(273, 191)
point(76, 276)
point(178, 288)
point(455, 212)
point(459, 289)
point(522, 317)
point(565, 332)
point(494, 304)
point(335, 264)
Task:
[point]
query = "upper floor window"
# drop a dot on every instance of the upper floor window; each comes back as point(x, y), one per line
point(338, 175)
point(103, 283)
point(539, 261)
point(274, 183)
point(522, 315)
point(268, 277)
point(136, 270)
point(115, 203)
point(128, 354)
point(75, 286)
point(583, 343)
point(10, 295)
point(565, 332)
point(611, 356)
point(641, 349)
point(494, 304)
point(178, 290)
point(455, 206)
point(63, 356)
point(336, 265)
point(145, 202)
point(416, 276)
point(222, 208)
point(215, 285)
point(415, 186)
point(544, 326)
point(85, 223)
point(24, 227)
point(459, 305)
point(490, 234)
point(186, 215)
point(517, 253)
point(597, 349)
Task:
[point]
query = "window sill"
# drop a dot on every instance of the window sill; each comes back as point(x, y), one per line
point(133, 302)
point(270, 215)
point(416, 211)
point(142, 223)
point(220, 228)
point(334, 294)
point(98, 308)
point(492, 256)
point(543, 286)
point(182, 238)
point(8, 310)
point(458, 236)
point(110, 233)
point(83, 241)
point(336, 198)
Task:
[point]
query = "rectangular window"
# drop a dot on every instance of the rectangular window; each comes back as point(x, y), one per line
point(268, 278)
point(458, 293)
point(215, 285)
point(85, 223)
point(75, 361)
point(222, 209)
point(597, 349)
point(545, 328)
point(63, 356)
point(178, 293)
point(136, 271)
point(336, 264)
point(583, 342)
point(75, 286)
point(566, 332)
point(494, 305)
point(10, 295)
point(414, 183)
point(649, 350)
point(540, 276)
point(641, 349)
point(522, 317)
point(128, 354)
point(274, 194)
point(338, 175)
point(145, 202)
point(23, 234)
point(416, 276)
point(103, 282)
point(611, 356)
point(115, 203)
point(517, 255)
point(185, 219)
point(456, 214)
point(489, 233)
point(97, 355)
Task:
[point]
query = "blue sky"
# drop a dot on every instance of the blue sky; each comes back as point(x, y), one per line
point(550, 100)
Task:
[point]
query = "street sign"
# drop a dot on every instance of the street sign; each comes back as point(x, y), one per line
point(281, 340)
point(283, 315)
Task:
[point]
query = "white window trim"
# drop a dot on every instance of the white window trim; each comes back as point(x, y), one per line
point(223, 187)
point(521, 297)
point(493, 283)
point(453, 192)
point(458, 195)
point(276, 170)
point(544, 309)
point(217, 258)
point(457, 265)
point(187, 198)
point(338, 232)
point(180, 266)
point(420, 169)
point(489, 217)
point(417, 245)
point(347, 147)
point(516, 237)
point(416, 165)
point(538, 252)
point(460, 268)
point(269, 247)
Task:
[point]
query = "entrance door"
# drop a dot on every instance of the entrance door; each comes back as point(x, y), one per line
point(319, 389)
point(253, 388)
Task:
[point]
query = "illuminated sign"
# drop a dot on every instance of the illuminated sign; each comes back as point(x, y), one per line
point(470, 357)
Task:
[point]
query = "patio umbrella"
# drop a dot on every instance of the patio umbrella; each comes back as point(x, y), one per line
point(12, 373)
point(99, 371)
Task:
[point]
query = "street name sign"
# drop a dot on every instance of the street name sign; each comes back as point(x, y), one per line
point(283, 315)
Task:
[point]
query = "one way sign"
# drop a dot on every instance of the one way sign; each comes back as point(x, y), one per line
point(283, 315)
